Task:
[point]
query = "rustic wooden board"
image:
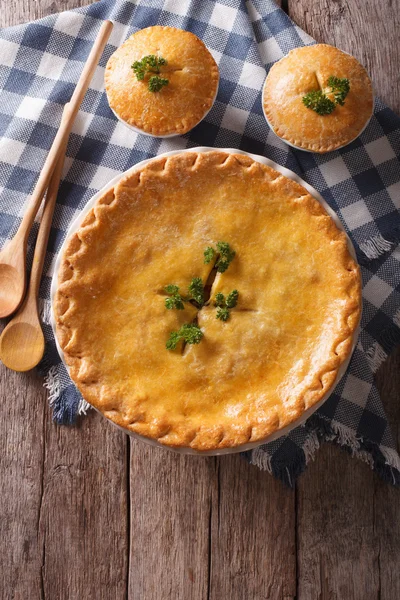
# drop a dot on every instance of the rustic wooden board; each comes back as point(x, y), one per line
point(21, 11)
point(84, 513)
point(22, 427)
point(88, 513)
point(386, 498)
point(348, 520)
point(170, 523)
point(63, 506)
point(253, 535)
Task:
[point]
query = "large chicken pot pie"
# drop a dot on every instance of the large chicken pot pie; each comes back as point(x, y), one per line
point(318, 98)
point(206, 301)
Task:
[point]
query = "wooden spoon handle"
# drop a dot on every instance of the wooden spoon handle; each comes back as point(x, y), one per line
point(47, 218)
point(63, 131)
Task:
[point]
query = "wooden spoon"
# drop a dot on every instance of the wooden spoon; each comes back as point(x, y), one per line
point(13, 256)
point(22, 341)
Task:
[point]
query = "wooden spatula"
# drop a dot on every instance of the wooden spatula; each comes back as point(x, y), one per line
point(22, 341)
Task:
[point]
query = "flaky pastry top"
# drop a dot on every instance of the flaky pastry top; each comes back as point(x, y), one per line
point(307, 69)
point(191, 71)
point(277, 355)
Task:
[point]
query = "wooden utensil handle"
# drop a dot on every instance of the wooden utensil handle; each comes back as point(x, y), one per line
point(64, 130)
point(47, 217)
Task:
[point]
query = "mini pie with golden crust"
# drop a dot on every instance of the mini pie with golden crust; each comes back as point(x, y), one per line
point(302, 71)
point(279, 352)
point(191, 71)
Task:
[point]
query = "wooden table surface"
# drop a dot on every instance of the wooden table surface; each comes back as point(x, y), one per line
point(87, 513)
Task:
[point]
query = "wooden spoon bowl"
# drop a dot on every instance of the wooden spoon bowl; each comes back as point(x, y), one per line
point(22, 345)
point(13, 282)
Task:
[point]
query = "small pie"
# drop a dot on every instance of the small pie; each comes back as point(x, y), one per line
point(318, 98)
point(249, 376)
point(179, 58)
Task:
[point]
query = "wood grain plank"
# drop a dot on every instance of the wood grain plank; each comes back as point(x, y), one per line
point(170, 524)
point(387, 499)
point(63, 506)
point(337, 545)
point(348, 520)
point(83, 525)
point(64, 513)
point(22, 426)
point(253, 549)
point(14, 12)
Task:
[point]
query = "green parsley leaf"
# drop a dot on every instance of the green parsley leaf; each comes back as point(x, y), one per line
point(155, 62)
point(232, 298)
point(171, 289)
point(175, 300)
point(140, 67)
point(173, 340)
point(339, 88)
point(224, 304)
point(189, 332)
point(222, 314)
point(319, 102)
point(226, 256)
point(151, 64)
point(209, 254)
point(219, 300)
point(156, 83)
point(196, 290)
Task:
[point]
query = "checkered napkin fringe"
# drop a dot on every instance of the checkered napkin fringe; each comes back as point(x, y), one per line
point(39, 66)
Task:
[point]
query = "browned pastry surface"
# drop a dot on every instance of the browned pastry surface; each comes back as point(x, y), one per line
point(277, 355)
point(191, 71)
point(306, 69)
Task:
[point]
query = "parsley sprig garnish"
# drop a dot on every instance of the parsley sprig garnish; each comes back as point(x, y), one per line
point(156, 83)
point(339, 88)
point(219, 300)
point(232, 299)
point(151, 64)
point(321, 100)
point(224, 253)
point(196, 291)
point(189, 332)
point(209, 254)
point(224, 304)
point(175, 300)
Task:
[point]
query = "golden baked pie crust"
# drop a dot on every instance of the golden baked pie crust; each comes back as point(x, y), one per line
point(306, 69)
point(193, 81)
point(279, 353)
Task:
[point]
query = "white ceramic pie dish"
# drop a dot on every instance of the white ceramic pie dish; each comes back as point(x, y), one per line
point(169, 135)
point(74, 226)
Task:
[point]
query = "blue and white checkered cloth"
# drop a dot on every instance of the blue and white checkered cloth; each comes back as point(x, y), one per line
point(39, 66)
